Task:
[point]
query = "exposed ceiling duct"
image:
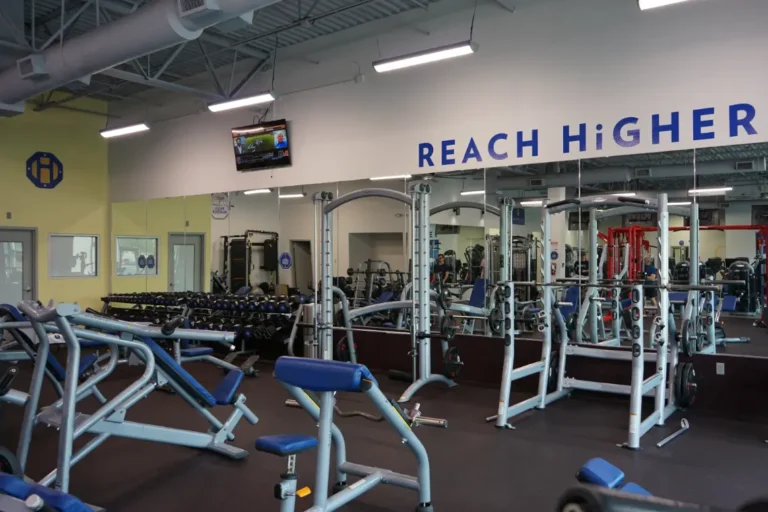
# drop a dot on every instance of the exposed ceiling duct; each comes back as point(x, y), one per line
point(157, 25)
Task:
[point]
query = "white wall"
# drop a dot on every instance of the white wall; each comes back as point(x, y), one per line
point(739, 243)
point(387, 247)
point(553, 63)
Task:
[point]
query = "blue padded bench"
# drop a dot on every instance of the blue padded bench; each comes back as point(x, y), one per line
point(222, 395)
point(284, 445)
point(55, 500)
point(196, 351)
point(729, 303)
point(477, 297)
point(678, 296)
point(601, 473)
point(573, 296)
point(385, 296)
point(321, 375)
point(52, 364)
point(626, 303)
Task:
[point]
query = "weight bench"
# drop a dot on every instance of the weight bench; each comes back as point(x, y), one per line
point(300, 376)
point(602, 473)
point(54, 370)
point(183, 353)
point(17, 495)
point(727, 304)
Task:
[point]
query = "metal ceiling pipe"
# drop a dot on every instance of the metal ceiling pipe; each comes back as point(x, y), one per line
point(151, 28)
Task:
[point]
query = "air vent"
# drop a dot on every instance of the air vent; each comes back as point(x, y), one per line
point(744, 166)
point(32, 67)
point(642, 173)
point(537, 182)
point(724, 205)
point(197, 7)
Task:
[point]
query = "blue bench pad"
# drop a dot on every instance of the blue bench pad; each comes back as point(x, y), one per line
point(633, 488)
point(59, 501)
point(729, 303)
point(283, 445)
point(197, 351)
point(225, 391)
point(85, 363)
point(600, 472)
point(321, 375)
point(165, 357)
point(678, 296)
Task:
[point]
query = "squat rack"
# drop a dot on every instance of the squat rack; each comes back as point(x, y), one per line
point(420, 330)
point(656, 384)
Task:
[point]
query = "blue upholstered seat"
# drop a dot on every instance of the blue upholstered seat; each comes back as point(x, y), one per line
point(283, 445)
point(196, 351)
point(59, 501)
point(222, 395)
point(321, 375)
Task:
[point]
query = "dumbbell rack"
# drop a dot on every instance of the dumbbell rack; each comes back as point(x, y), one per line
point(251, 318)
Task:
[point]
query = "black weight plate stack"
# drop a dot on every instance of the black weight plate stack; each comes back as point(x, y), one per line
point(452, 363)
point(688, 386)
point(678, 378)
point(552, 375)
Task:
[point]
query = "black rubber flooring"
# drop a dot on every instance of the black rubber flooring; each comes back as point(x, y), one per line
point(475, 467)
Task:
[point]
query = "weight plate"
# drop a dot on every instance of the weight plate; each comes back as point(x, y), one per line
point(678, 379)
point(688, 337)
point(495, 320)
point(342, 350)
point(8, 463)
point(688, 386)
point(452, 363)
point(552, 375)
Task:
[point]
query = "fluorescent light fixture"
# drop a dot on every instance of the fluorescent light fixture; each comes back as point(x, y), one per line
point(292, 196)
point(652, 4)
point(624, 194)
point(709, 191)
point(538, 202)
point(473, 192)
point(258, 191)
point(125, 130)
point(399, 177)
point(679, 203)
point(242, 102)
point(425, 57)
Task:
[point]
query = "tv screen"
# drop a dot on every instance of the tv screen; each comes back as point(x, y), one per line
point(261, 146)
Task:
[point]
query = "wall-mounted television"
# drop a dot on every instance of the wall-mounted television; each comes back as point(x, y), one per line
point(261, 146)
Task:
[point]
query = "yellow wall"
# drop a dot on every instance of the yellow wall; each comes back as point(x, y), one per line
point(159, 218)
point(78, 205)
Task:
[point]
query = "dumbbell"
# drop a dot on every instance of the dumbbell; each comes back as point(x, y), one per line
point(270, 306)
point(283, 307)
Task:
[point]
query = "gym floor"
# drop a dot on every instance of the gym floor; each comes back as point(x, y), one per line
point(719, 462)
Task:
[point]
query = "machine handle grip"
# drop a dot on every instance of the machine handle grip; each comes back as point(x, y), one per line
point(169, 327)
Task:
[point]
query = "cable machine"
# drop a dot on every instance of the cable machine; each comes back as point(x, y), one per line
point(238, 257)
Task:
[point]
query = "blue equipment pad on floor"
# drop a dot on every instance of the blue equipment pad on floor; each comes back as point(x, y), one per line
point(283, 445)
point(59, 501)
point(626, 303)
point(600, 472)
point(321, 375)
point(633, 488)
point(225, 391)
point(196, 352)
point(176, 372)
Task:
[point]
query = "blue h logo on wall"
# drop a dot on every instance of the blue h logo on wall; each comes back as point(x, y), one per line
point(44, 170)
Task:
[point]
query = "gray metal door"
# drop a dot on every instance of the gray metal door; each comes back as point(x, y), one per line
point(17, 265)
point(185, 263)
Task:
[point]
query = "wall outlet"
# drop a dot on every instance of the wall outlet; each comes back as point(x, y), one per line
point(186, 223)
point(720, 368)
point(8, 215)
